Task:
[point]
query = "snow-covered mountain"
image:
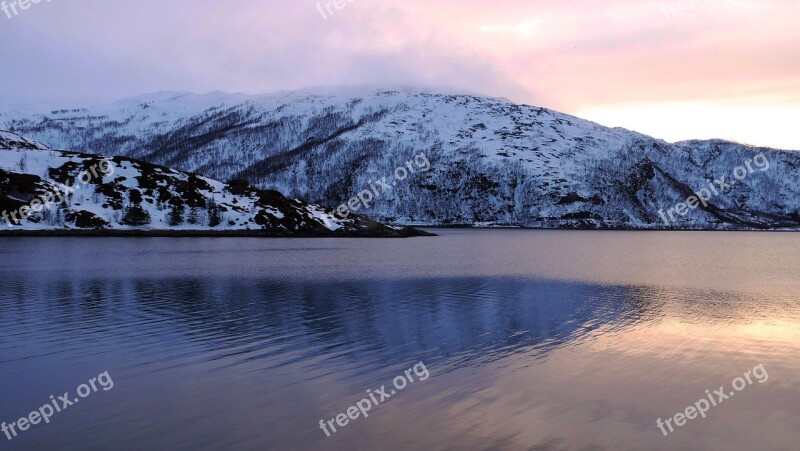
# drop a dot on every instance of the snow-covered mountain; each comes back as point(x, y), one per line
point(491, 161)
point(49, 190)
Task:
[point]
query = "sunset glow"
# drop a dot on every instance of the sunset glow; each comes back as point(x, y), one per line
point(675, 69)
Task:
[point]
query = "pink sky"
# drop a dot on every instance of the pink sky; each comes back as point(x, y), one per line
point(675, 69)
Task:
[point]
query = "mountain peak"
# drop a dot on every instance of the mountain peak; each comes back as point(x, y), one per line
point(493, 162)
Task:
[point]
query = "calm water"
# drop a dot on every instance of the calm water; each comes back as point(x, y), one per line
point(533, 340)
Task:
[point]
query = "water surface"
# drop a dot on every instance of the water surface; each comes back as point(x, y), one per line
point(533, 340)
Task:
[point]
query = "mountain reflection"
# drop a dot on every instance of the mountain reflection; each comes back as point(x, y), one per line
point(469, 320)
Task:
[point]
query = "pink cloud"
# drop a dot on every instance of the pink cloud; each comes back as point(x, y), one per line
point(565, 55)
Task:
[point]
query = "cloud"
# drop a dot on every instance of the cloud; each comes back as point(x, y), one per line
point(522, 30)
point(565, 55)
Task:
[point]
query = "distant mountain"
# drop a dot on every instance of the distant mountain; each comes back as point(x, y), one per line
point(491, 162)
point(46, 190)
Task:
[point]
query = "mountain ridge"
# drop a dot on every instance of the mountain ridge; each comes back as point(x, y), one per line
point(51, 192)
point(493, 162)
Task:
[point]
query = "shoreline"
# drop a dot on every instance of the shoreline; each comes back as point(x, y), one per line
point(402, 232)
point(406, 232)
point(598, 229)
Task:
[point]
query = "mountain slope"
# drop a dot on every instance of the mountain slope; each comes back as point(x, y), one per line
point(491, 161)
point(48, 190)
